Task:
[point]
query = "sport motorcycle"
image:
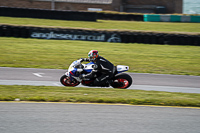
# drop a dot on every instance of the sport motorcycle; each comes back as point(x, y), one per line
point(72, 76)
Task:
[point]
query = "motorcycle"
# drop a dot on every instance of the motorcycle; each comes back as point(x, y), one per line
point(72, 76)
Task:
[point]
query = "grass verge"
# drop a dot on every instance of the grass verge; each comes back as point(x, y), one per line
point(59, 54)
point(97, 95)
point(106, 24)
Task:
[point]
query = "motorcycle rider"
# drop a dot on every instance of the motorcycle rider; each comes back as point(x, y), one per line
point(103, 70)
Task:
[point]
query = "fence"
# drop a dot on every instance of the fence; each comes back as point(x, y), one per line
point(171, 18)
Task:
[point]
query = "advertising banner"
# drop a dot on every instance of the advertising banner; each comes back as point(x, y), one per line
point(76, 35)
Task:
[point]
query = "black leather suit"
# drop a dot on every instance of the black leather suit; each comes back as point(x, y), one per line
point(103, 71)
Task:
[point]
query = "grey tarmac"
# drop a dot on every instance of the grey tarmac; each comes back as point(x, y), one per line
point(21, 117)
point(141, 81)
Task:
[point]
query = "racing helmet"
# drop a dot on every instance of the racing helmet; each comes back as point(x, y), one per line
point(93, 55)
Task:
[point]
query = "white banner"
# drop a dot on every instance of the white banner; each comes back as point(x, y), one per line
point(69, 36)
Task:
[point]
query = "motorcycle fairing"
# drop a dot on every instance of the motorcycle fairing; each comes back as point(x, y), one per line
point(122, 68)
point(73, 72)
point(88, 67)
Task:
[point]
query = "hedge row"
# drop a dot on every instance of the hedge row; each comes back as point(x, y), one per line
point(127, 17)
point(65, 15)
point(47, 14)
point(99, 35)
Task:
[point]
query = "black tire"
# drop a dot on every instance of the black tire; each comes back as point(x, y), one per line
point(73, 83)
point(122, 81)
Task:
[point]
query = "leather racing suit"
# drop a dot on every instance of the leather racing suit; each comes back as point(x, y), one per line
point(102, 72)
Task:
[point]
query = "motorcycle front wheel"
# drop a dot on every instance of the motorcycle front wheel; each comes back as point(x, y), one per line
point(66, 81)
point(122, 81)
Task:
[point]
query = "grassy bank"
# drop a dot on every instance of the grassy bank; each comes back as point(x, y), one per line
point(97, 95)
point(58, 54)
point(106, 24)
point(142, 58)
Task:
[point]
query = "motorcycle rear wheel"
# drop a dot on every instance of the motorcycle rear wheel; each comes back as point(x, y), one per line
point(122, 81)
point(65, 80)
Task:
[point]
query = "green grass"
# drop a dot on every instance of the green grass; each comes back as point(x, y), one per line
point(142, 58)
point(106, 24)
point(97, 95)
point(58, 54)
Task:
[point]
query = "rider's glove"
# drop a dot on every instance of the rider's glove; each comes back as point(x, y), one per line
point(84, 59)
point(81, 59)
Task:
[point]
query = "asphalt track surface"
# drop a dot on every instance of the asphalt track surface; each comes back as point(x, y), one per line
point(95, 118)
point(50, 77)
point(20, 117)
